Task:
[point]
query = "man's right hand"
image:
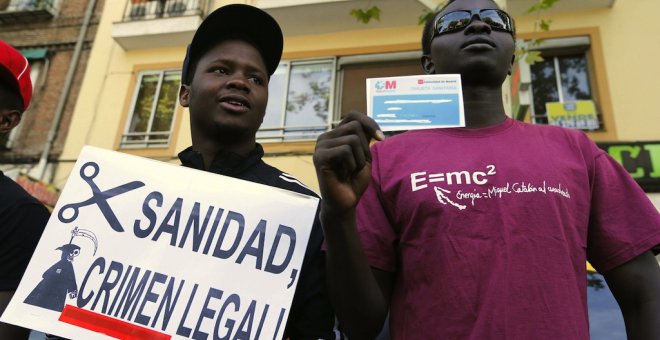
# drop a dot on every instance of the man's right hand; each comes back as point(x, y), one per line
point(343, 162)
point(343, 166)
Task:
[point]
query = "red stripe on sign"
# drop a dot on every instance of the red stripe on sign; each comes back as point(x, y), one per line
point(110, 326)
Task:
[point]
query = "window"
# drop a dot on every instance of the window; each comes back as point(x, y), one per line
point(562, 86)
point(30, 5)
point(152, 110)
point(299, 101)
point(305, 98)
point(355, 70)
point(155, 9)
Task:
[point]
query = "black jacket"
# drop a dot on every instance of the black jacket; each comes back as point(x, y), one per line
point(22, 220)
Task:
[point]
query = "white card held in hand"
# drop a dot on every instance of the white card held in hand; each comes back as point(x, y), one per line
point(416, 102)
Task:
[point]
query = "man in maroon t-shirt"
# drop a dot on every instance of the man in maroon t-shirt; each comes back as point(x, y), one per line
point(481, 232)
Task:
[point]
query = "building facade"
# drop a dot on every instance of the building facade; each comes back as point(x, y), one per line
point(595, 76)
point(129, 103)
point(56, 37)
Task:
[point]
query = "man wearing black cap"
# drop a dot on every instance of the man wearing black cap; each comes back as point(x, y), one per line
point(22, 217)
point(225, 86)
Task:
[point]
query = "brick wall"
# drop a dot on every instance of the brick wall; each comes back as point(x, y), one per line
point(58, 35)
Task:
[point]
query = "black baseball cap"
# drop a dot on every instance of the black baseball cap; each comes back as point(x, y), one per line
point(237, 21)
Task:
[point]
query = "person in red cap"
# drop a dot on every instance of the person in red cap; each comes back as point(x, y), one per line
point(224, 84)
point(22, 217)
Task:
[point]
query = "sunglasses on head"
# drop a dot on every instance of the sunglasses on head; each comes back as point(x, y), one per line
point(457, 20)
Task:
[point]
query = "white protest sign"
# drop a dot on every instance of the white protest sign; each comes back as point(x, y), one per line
point(140, 249)
point(416, 102)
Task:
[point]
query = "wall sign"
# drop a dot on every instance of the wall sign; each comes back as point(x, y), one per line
point(640, 159)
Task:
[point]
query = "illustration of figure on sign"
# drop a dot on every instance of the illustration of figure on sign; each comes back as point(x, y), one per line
point(59, 281)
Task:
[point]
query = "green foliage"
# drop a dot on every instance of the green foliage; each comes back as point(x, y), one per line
point(522, 51)
point(424, 17)
point(544, 24)
point(166, 105)
point(542, 5)
point(593, 281)
point(427, 14)
point(317, 94)
point(42, 4)
point(365, 15)
point(532, 57)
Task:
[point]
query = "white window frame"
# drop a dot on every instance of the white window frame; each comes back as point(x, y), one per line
point(147, 144)
point(282, 136)
point(554, 44)
point(153, 9)
point(334, 104)
point(365, 59)
point(28, 5)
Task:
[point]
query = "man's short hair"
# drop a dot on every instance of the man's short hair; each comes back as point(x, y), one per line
point(236, 21)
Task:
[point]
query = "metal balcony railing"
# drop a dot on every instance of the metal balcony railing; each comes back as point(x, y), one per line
point(20, 11)
point(156, 9)
point(145, 139)
point(29, 5)
point(291, 133)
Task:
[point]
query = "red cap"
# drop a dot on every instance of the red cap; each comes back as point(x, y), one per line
point(15, 70)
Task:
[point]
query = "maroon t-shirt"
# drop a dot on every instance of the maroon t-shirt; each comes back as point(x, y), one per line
point(488, 230)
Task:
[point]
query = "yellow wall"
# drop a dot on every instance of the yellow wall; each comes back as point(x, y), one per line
point(105, 93)
point(354, 42)
point(104, 99)
point(630, 46)
point(631, 79)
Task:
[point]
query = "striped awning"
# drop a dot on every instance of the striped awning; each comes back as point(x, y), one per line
point(34, 53)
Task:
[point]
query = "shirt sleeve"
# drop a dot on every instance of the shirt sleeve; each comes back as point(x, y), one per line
point(312, 315)
point(22, 226)
point(373, 223)
point(623, 221)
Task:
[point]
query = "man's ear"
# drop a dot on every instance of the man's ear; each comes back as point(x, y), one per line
point(9, 119)
point(427, 64)
point(184, 95)
point(513, 60)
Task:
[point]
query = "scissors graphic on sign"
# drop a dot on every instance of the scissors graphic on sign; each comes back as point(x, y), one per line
point(100, 198)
